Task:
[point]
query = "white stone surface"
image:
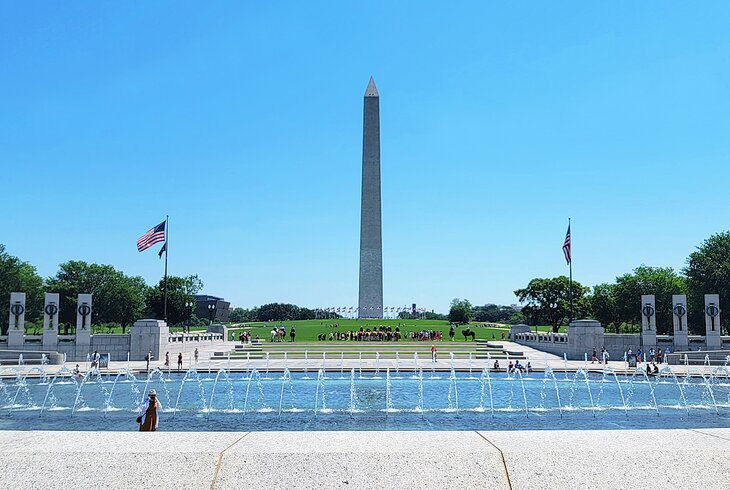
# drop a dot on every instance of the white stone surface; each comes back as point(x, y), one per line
point(712, 326)
point(50, 324)
point(603, 460)
point(681, 339)
point(648, 325)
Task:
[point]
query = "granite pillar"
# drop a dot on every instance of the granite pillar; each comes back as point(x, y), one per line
point(50, 321)
point(713, 340)
point(83, 325)
point(16, 321)
point(679, 316)
point(648, 322)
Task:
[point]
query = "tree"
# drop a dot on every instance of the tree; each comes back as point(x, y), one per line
point(181, 291)
point(604, 307)
point(548, 301)
point(240, 315)
point(708, 272)
point(21, 277)
point(662, 282)
point(460, 311)
point(116, 297)
point(492, 313)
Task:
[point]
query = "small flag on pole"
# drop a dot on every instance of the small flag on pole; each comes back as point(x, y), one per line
point(566, 246)
point(154, 235)
point(162, 250)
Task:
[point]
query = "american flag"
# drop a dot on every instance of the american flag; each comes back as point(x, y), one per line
point(566, 246)
point(154, 235)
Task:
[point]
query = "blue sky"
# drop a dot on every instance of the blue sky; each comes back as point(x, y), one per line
point(243, 120)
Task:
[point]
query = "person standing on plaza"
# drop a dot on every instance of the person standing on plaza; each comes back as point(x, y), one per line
point(606, 356)
point(167, 360)
point(148, 358)
point(179, 362)
point(433, 353)
point(196, 355)
point(148, 421)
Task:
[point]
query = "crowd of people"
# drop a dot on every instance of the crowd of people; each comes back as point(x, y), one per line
point(381, 334)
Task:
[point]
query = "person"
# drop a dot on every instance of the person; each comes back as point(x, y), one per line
point(433, 353)
point(273, 334)
point(97, 359)
point(292, 334)
point(76, 372)
point(149, 421)
point(496, 364)
point(528, 368)
point(510, 367)
point(606, 356)
point(666, 355)
point(179, 361)
point(196, 355)
point(167, 360)
point(451, 332)
point(593, 356)
point(651, 355)
point(148, 358)
point(93, 360)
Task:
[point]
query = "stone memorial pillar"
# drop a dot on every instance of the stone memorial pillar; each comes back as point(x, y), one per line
point(712, 322)
point(679, 316)
point(50, 321)
point(83, 326)
point(16, 323)
point(648, 322)
point(583, 337)
point(146, 336)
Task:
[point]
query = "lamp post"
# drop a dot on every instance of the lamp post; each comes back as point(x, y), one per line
point(189, 305)
point(211, 312)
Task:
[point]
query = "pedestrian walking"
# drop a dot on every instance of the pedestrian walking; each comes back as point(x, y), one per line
point(196, 355)
point(179, 362)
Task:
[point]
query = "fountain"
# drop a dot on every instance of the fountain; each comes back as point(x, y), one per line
point(453, 396)
point(397, 362)
point(320, 390)
point(388, 396)
point(377, 363)
point(595, 400)
point(285, 378)
point(353, 393)
point(415, 363)
point(486, 377)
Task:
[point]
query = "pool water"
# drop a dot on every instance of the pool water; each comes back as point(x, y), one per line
point(222, 401)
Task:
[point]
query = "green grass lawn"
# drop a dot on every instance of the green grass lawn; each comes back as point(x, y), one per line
point(308, 330)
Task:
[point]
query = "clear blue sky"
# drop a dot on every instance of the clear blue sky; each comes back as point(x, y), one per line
point(243, 120)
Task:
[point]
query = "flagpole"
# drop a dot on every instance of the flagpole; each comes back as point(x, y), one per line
point(570, 293)
point(167, 247)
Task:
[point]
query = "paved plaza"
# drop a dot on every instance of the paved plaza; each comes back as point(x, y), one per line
point(363, 460)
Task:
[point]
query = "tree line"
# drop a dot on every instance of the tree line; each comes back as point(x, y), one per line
point(617, 305)
point(118, 299)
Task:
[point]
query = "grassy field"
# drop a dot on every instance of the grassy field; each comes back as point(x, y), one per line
point(308, 330)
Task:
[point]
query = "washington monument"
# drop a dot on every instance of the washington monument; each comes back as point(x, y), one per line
point(371, 241)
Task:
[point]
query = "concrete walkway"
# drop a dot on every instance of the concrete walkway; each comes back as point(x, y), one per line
point(363, 460)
